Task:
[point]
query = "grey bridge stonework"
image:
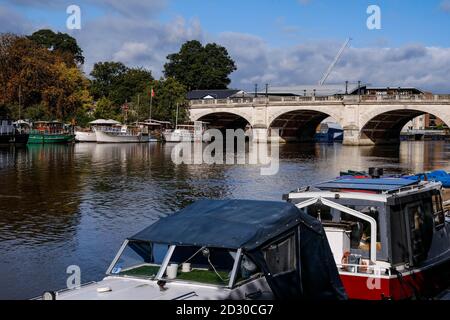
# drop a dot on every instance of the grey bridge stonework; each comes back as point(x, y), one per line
point(365, 119)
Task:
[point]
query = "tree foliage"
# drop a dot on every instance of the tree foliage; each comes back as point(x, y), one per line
point(168, 94)
point(33, 77)
point(118, 83)
point(200, 67)
point(62, 43)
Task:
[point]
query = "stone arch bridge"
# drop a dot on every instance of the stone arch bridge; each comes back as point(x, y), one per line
point(366, 120)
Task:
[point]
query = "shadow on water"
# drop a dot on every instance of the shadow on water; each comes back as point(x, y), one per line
point(73, 205)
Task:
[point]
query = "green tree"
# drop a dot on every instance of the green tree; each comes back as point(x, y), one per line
point(200, 67)
point(62, 43)
point(105, 75)
point(117, 82)
point(168, 94)
point(104, 109)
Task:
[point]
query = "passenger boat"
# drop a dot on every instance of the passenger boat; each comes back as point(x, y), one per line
point(11, 134)
point(187, 133)
point(88, 135)
point(44, 132)
point(221, 249)
point(390, 237)
point(122, 134)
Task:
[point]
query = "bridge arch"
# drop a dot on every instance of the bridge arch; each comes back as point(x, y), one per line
point(299, 124)
point(224, 120)
point(384, 125)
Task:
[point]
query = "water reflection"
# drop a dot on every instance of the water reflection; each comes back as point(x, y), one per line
point(63, 205)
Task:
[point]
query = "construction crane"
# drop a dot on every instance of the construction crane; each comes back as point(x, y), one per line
point(336, 59)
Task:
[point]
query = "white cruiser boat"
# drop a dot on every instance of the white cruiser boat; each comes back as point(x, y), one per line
point(187, 133)
point(221, 249)
point(123, 134)
point(89, 135)
point(390, 236)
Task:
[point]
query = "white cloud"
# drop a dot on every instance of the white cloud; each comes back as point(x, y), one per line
point(409, 65)
point(445, 6)
point(138, 40)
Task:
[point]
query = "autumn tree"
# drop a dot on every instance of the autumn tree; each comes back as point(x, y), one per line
point(200, 67)
point(36, 81)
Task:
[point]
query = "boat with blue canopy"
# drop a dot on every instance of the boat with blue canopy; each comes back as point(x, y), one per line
point(390, 236)
point(222, 249)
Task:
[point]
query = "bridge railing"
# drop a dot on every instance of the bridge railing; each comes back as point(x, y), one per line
point(319, 99)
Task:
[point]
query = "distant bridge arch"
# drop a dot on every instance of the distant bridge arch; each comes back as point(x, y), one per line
point(299, 124)
point(384, 124)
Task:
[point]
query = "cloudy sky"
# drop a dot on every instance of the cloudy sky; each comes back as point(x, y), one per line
point(278, 42)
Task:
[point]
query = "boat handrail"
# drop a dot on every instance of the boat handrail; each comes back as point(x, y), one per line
point(352, 212)
point(358, 268)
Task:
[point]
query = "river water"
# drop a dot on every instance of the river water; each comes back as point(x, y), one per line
point(74, 205)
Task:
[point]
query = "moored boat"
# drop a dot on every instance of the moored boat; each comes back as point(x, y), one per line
point(187, 133)
point(11, 134)
point(89, 135)
point(390, 236)
point(221, 249)
point(123, 134)
point(44, 132)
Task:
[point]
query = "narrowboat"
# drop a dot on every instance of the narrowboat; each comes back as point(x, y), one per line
point(45, 132)
point(390, 236)
point(221, 249)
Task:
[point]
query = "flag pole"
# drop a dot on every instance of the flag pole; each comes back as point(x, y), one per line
point(151, 103)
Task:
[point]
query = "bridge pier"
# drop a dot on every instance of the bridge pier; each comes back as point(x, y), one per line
point(260, 134)
point(353, 136)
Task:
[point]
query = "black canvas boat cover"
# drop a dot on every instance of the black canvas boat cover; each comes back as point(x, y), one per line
point(228, 224)
point(249, 225)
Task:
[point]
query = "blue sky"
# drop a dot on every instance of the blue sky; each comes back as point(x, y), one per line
point(282, 42)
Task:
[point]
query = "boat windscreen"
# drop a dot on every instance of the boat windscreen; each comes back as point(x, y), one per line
point(201, 265)
point(140, 259)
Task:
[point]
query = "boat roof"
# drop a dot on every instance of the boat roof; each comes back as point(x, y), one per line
point(230, 224)
point(103, 121)
point(366, 184)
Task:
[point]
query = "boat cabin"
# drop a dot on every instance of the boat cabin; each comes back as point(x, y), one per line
point(381, 232)
point(51, 127)
point(222, 249)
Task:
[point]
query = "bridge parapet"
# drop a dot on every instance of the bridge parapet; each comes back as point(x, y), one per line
point(308, 100)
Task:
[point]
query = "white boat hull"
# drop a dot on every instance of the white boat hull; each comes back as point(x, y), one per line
point(117, 137)
point(85, 136)
point(175, 136)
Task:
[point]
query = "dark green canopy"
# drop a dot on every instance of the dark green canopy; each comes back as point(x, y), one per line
point(228, 224)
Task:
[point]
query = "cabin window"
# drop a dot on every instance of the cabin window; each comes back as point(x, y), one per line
point(420, 231)
point(438, 212)
point(140, 259)
point(360, 235)
point(247, 270)
point(281, 256)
